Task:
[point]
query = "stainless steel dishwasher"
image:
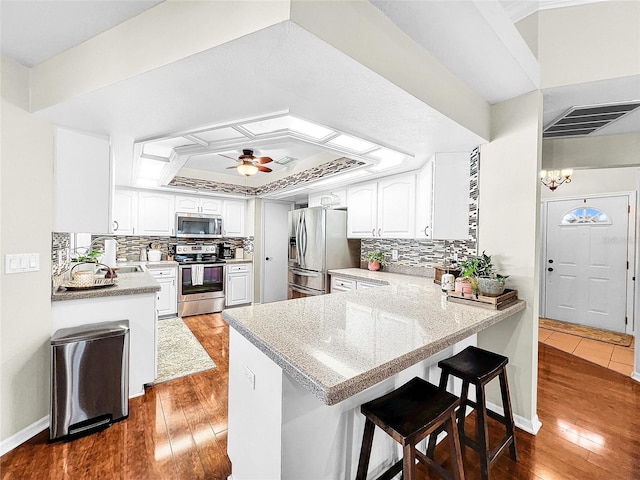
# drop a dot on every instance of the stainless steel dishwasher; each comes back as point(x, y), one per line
point(89, 378)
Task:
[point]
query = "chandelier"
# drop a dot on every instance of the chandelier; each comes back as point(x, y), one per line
point(554, 178)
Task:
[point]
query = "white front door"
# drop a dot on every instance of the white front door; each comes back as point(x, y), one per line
point(585, 269)
point(275, 253)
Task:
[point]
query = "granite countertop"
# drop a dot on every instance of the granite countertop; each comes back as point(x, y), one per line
point(126, 284)
point(339, 344)
point(238, 260)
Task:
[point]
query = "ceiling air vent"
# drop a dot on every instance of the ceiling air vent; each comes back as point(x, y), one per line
point(579, 121)
point(285, 160)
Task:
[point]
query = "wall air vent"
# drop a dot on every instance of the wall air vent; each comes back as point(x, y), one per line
point(580, 121)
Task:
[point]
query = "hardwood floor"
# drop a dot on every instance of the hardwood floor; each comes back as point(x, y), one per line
point(590, 416)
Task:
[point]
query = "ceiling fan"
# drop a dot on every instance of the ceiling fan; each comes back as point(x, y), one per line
point(248, 164)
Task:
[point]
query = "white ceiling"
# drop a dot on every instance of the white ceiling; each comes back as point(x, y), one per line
point(282, 67)
point(35, 31)
point(297, 72)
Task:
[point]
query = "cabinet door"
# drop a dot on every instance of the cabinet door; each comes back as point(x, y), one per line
point(187, 204)
point(451, 179)
point(125, 212)
point(237, 289)
point(396, 207)
point(233, 218)
point(362, 207)
point(211, 206)
point(424, 201)
point(166, 298)
point(156, 214)
point(82, 183)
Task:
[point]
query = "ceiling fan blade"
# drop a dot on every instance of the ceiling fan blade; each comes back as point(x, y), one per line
point(235, 166)
point(264, 169)
point(264, 159)
point(235, 159)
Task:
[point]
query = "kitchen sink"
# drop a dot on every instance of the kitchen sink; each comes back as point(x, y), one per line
point(129, 269)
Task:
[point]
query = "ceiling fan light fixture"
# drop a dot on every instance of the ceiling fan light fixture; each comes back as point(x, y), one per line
point(247, 169)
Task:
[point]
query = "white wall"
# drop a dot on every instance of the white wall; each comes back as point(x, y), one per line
point(26, 179)
point(597, 180)
point(589, 42)
point(508, 229)
point(592, 152)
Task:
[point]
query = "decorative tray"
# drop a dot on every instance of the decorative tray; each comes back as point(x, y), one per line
point(505, 300)
point(97, 283)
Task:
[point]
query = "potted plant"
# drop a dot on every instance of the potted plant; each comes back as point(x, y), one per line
point(375, 260)
point(481, 275)
point(90, 258)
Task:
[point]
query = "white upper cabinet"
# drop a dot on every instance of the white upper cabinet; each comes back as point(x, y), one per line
point(442, 198)
point(82, 183)
point(384, 209)
point(396, 207)
point(362, 210)
point(125, 212)
point(198, 205)
point(156, 214)
point(233, 212)
point(332, 199)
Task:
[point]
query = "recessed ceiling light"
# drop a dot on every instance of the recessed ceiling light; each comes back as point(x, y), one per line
point(164, 148)
point(352, 143)
point(287, 122)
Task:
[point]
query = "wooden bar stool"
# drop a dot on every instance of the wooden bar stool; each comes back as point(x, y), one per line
point(408, 415)
point(478, 367)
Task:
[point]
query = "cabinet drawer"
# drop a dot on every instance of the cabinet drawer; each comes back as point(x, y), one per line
point(342, 285)
point(243, 267)
point(163, 272)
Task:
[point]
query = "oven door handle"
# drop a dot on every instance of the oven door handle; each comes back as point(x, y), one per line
point(298, 289)
point(304, 273)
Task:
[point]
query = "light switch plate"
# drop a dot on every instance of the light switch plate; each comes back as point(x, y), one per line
point(21, 263)
point(394, 254)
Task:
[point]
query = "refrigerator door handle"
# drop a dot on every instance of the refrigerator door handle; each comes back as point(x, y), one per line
point(305, 273)
point(299, 289)
point(303, 240)
point(298, 249)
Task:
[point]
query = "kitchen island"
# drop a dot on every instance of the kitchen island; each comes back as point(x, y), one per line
point(133, 298)
point(300, 369)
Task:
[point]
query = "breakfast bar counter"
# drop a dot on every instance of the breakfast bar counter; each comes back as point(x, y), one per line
point(299, 369)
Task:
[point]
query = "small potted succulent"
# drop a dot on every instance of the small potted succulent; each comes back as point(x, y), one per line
point(375, 260)
point(480, 272)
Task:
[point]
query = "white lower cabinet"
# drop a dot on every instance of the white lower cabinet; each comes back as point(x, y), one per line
point(239, 290)
point(342, 284)
point(167, 299)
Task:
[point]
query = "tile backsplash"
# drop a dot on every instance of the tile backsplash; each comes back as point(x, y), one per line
point(417, 257)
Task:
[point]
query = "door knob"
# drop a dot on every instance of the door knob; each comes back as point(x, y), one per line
point(268, 258)
point(550, 261)
point(550, 269)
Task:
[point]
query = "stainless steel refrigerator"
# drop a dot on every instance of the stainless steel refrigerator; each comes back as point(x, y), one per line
point(317, 243)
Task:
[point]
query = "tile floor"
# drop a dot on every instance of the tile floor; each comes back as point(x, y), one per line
point(606, 354)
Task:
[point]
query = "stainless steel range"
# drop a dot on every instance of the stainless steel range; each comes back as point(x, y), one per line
point(200, 280)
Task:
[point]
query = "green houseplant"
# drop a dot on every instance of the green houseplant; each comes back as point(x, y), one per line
point(375, 260)
point(481, 273)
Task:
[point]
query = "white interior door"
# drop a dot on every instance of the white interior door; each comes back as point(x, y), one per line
point(585, 268)
point(274, 259)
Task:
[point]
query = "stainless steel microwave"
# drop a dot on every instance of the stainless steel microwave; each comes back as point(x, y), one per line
point(198, 225)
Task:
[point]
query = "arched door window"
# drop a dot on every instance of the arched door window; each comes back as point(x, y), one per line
point(585, 215)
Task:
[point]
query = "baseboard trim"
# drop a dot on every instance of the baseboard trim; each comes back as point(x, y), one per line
point(530, 426)
point(23, 435)
point(636, 376)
